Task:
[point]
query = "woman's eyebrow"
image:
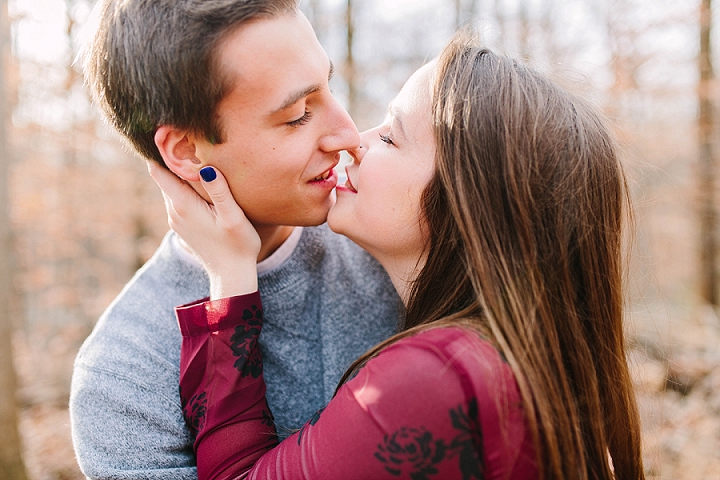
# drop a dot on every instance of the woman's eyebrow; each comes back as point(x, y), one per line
point(397, 119)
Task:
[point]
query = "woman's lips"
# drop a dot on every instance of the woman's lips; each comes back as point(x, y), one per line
point(349, 186)
point(348, 183)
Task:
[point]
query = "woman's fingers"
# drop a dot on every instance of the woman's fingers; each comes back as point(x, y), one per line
point(181, 200)
point(179, 196)
point(188, 211)
point(170, 184)
point(218, 232)
point(225, 206)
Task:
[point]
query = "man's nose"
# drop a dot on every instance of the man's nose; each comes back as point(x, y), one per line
point(343, 134)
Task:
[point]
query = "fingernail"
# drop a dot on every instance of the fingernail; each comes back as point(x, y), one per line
point(208, 174)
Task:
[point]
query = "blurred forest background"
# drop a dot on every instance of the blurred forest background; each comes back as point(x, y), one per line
point(79, 214)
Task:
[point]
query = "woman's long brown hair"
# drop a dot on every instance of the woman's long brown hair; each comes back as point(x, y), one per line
point(525, 217)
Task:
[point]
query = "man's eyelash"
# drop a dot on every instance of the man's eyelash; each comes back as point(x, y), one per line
point(386, 139)
point(302, 120)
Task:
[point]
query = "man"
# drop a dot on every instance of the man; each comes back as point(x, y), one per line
point(241, 85)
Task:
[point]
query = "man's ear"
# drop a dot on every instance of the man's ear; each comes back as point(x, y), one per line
point(178, 150)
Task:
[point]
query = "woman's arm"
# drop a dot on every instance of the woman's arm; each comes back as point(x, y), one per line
point(411, 412)
point(221, 384)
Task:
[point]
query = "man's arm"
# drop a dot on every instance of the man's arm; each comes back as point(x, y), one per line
point(126, 430)
point(125, 405)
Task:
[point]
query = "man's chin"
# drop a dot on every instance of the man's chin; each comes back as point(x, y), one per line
point(309, 219)
point(299, 216)
point(313, 222)
point(317, 216)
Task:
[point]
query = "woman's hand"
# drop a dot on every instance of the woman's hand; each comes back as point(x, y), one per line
point(218, 232)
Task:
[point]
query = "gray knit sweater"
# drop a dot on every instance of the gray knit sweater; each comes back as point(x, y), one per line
point(324, 306)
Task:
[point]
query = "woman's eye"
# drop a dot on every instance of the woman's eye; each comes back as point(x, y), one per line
point(386, 139)
point(302, 120)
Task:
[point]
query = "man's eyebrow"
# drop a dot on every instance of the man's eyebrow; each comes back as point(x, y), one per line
point(295, 97)
point(299, 95)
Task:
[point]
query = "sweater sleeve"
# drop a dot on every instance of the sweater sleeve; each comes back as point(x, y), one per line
point(124, 402)
point(411, 412)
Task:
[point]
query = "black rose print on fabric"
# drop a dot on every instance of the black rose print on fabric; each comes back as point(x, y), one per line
point(194, 412)
point(414, 453)
point(244, 343)
point(411, 452)
point(469, 441)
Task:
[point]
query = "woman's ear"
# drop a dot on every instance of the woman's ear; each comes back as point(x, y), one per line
point(178, 150)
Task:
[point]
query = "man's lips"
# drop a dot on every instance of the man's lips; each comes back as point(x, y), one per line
point(323, 176)
point(327, 179)
point(329, 173)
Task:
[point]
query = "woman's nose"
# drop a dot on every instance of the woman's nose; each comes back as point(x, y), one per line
point(359, 152)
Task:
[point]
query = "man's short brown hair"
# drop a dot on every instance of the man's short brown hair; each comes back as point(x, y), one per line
point(154, 62)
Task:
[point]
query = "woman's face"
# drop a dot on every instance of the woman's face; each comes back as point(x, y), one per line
point(379, 205)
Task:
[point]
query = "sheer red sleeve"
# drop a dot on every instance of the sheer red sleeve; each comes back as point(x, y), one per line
point(221, 384)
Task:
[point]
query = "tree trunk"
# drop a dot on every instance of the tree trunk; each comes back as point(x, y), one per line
point(11, 464)
point(465, 13)
point(502, 24)
point(350, 72)
point(524, 36)
point(458, 14)
point(706, 170)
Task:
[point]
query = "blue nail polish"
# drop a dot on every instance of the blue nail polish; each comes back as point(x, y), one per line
point(208, 174)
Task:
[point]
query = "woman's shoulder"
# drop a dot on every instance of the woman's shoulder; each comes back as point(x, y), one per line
point(462, 344)
point(456, 385)
point(457, 355)
point(434, 370)
point(445, 355)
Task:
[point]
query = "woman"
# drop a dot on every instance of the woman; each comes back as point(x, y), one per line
point(495, 201)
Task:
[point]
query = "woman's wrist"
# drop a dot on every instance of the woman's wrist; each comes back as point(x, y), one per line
point(240, 281)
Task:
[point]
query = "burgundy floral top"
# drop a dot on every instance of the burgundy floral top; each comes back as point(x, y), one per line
point(441, 404)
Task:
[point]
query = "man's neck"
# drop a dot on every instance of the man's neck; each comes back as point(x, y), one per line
point(271, 238)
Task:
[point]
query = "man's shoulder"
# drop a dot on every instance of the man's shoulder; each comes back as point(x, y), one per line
point(141, 320)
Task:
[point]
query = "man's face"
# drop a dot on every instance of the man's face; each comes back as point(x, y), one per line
point(283, 128)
